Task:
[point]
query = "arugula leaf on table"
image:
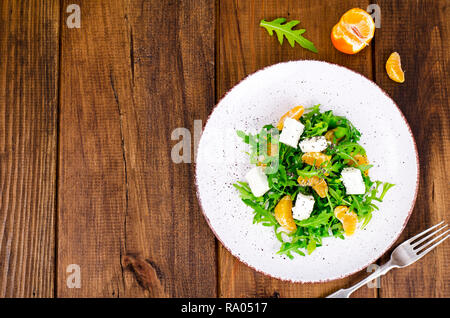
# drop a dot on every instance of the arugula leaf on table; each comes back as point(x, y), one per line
point(285, 30)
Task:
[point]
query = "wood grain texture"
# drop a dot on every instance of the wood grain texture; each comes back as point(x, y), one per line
point(419, 31)
point(28, 125)
point(172, 85)
point(128, 215)
point(112, 201)
point(243, 48)
point(91, 185)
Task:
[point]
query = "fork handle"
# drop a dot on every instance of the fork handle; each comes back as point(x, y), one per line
point(346, 292)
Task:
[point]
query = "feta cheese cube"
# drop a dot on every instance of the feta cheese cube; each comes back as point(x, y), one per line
point(314, 144)
point(353, 181)
point(292, 130)
point(257, 181)
point(304, 205)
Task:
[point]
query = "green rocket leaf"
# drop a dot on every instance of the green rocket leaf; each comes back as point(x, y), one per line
point(285, 30)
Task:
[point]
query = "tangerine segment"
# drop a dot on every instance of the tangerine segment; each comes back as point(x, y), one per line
point(348, 218)
point(353, 32)
point(315, 158)
point(340, 210)
point(308, 181)
point(319, 185)
point(321, 188)
point(294, 113)
point(283, 214)
point(272, 149)
point(394, 68)
point(361, 160)
point(329, 136)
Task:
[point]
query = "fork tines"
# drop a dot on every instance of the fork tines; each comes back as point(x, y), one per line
point(429, 239)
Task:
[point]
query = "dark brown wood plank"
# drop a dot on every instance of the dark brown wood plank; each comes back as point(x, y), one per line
point(28, 134)
point(172, 85)
point(243, 48)
point(92, 187)
point(128, 215)
point(419, 31)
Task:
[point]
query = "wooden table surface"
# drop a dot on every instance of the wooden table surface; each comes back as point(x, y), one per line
point(86, 116)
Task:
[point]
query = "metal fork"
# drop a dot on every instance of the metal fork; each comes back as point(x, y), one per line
point(405, 254)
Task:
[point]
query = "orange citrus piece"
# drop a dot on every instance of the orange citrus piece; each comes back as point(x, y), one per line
point(329, 136)
point(308, 181)
point(283, 214)
point(294, 113)
point(394, 68)
point(360, 159)
point(353, 32)
point(315, 158)
point(272, 149)
point(319, 185)
point(348, 218)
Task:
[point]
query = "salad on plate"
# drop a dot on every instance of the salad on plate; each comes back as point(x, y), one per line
point(310, 179)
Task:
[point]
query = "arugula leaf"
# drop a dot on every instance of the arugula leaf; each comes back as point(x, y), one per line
point(285, 30)
point(261, 215)
point(386, 187)
point(314, 221)
point(244, 190)
point(311, 246)
point(287, 248)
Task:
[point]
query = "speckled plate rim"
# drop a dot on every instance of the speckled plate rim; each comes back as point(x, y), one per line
point(374, 259)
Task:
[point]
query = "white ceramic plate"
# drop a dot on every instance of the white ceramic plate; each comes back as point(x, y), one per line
point(262, 98)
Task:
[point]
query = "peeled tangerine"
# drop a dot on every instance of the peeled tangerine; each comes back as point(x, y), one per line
point(348, 218)
point(283, 214)
point(319, 185)
point(294, 113)
point(353, 32)
point(315, 158)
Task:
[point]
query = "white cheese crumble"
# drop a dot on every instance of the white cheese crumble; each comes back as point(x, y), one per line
point(292, 130)
point(314, 144)
point(304, 205)
point(353, 181)
point(257, 181)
